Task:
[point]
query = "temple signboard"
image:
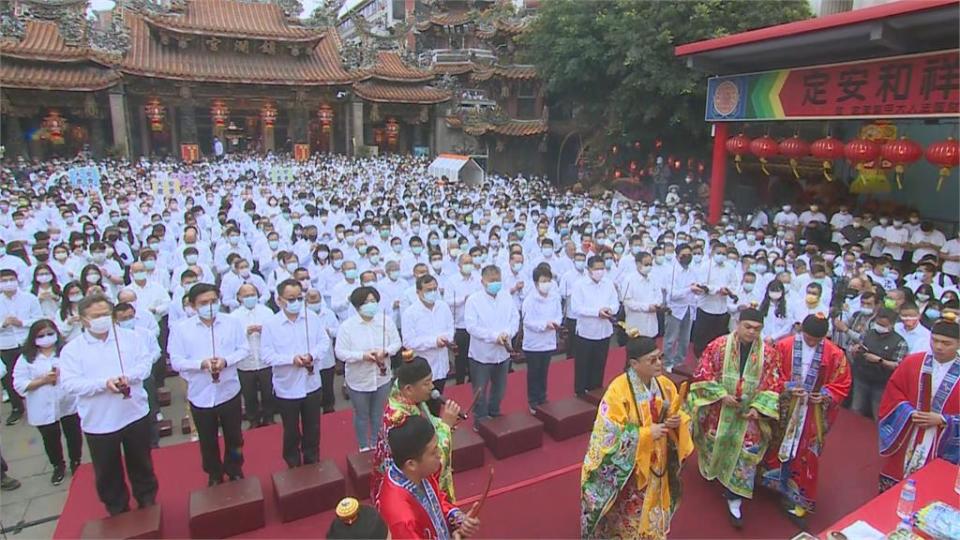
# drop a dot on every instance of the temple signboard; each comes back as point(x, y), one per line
point(918, 85)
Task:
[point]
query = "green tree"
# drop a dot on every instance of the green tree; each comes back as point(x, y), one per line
point(614, 60)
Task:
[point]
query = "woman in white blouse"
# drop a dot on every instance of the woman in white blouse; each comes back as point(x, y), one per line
point(542, 319)
point(777, 317)
point(46, 289)
point(50, 409)
point(67, 318)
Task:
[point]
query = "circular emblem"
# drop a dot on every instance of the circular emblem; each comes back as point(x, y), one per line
point(726, 97)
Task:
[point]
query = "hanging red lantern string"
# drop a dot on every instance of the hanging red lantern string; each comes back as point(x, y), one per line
point(794, 148)
point(268, 113)
point(764, 148)
point(945, 154)
point(827, 150)
point(219, 112)
point(738, 146)
point(860, 151)
point(901, 153)
point(325, 114)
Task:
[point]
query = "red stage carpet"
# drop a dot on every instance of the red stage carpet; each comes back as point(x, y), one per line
point(534, 495)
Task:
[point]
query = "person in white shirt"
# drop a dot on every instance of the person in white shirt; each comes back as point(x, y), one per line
point(683, 294)
point(567, 283)
point(256, 378)
point(152, 297)
point(326, 362)
point(950, 254)
point(786, 219)
point(719, 279)
point(205, 349)
point(105, 368)
point(18, 310)
point(428, 329)
point(491, 319)
point(915, 334)
point(12, 262)
point(926, 241)
point(456, 288)
point(49, 408)
point(896, 238)
point(241, 275)
point(594, 303)
point(542, 319)
point(642, 297)
point(295, 343)
point(365, 342)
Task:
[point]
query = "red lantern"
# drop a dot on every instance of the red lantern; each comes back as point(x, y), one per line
point(155, 114)
point(764, 148)
point(268, 114)
point(860, 151)
point(617, 173)
point(794, 148)
point(738, 146)
point(219, 112)
point(55, 124)
point(325, 114)
point(901, 153)
point(827, 150)
point(633, 166)
point(393, 131)
point(946, 154)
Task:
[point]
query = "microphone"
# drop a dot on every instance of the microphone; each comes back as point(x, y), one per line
point(437, 401)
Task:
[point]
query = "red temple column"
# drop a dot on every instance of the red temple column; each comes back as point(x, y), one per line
point(718, 172)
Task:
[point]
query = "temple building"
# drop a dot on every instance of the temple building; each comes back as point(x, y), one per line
point(168, 77)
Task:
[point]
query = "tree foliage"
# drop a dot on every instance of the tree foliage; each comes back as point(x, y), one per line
point(614, 59)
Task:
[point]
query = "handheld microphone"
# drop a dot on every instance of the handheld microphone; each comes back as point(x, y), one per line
point(437, 400)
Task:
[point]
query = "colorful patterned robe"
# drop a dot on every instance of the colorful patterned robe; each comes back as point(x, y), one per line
point(396, 412)
point(630, 485)
point(730, 446)
point(905, 393)
point(792, 461)
point(416, 511)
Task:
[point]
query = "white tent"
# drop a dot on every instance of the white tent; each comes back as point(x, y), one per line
point(457, 168)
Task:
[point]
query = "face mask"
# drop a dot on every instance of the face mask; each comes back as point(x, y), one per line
point(579, 265)
point(748, 287)
point(150, 264)
point(101, 325)
point(139, 276)
point(880, 329)
point(44, 278)
point(337, 263)
point(294, 306)
point(370, 310)
point(291, 267)
point(128, 324)
point(866, 310)
point(417, 250)
point(430, 297)
point(273, 244)
point(719, 258)
point(779, 269)
point(351, 274)
point(597, 275)
point(776, 295)
point(618, 250)
point(74, 298)
point(190, 259)
point(209, 311)
point(374, 259)
point(494, 287)
point(249, 302)
point(436, 265)
point(698, 258)
point(99, 258)
point(545, 287)
point(466, 269)
point(45, 341)
point(154, 246)
point(644, 269)
point(923, 297)
point(933, 313)
point(93, 278)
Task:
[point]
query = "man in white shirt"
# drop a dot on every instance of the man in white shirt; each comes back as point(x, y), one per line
point(719, 280)
point(896, 237)
point(567, 282)
point(457, 288)
point(926, 241)
point(683, 294)
point(18, 310)
point(428, 329)
point(594, 303)
point(205, 349)
point(152, 297)
point(491, 319)
point(786, 219)
point(642, 297)
point(105, 367)
point(256, 378)
point(293, 342)
point(241, 275)
point(950, 253)
point(915, 334)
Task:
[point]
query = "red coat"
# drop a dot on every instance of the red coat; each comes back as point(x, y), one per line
point(407, 517)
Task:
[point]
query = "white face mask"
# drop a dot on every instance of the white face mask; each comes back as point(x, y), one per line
point(597, 275)
point(46, 341)
point(8, 286)
point(545, 287)
point(101, 325)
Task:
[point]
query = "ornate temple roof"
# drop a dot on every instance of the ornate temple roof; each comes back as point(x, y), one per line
point(73, 77)
point(41, 59)
point(390, 66)
point(510, 27)
point(228, 18)
point(449, 18)
point(42, 41)
point(386, 92)
point(516, 72)
point(508, 128)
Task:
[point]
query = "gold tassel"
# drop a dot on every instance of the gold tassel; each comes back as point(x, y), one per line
point(826, 171)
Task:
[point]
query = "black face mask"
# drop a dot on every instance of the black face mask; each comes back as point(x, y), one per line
point(685, 259)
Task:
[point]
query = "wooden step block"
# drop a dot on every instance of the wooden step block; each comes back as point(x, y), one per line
point(143, 523)
point(467, 450)
point(566, 418)
point(308, 489)
point(512, 434)
point(165, 428)
point(163, 396)
point(594, 396)
point(185, 426)
point(359, 469)
point(227, 509)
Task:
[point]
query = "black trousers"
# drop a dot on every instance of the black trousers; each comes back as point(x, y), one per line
point(257, 389)
point(589, 363)
point(571, 326)
point(160, 366)
point(327, 398)
point(209, 421)
point(69, 426)
point(301, 428)
point(707, 328)
point(109, 463)
point(9, 357)
point(461, 364)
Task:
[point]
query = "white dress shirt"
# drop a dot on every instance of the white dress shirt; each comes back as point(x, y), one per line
point(85, 365)
point(588, 298)
point(640, 297)
point(422, 326)
point(680, 299)
point(354, 339)
point(45, 404)
point(485, 319)
point(539, 311)
point(232, 282)
point(457, 290)
point(23, 306)
point(151, 298)
point(918, 339)
point(258, 316)
point(716, 277)
point(192, 342)
point(282, 340)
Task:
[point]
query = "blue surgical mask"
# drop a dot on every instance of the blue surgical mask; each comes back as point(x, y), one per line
point(933, 313)
point(494, 287)
point(579, 265)
point(250, 302)
point(351, 274)
point(294, 306)
point(129, 324)
point(430, 297)
point(316, 308)
point(370, 310)
point(209, 311)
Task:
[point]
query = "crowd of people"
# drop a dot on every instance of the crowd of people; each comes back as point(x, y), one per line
point(259, 289)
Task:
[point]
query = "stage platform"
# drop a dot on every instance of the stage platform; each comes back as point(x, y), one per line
point(535, 494)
